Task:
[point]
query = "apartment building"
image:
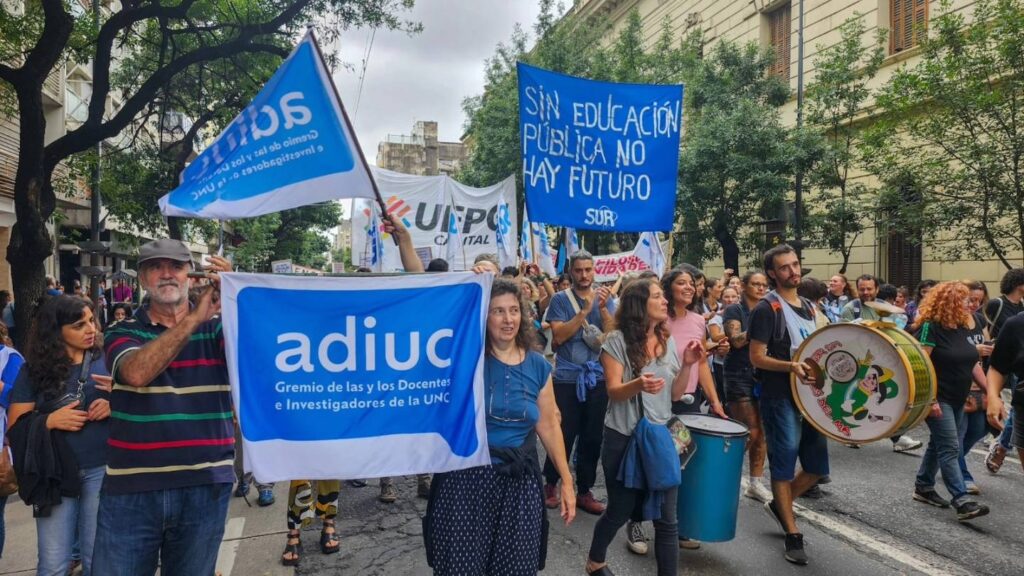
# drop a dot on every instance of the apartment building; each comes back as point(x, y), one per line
point(889, 254)
point(66, 95)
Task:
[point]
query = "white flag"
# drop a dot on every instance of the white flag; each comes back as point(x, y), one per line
point(649, 250)
point(572, 241)
point(453, 245)
point(526, 239)
point(545, 258)
point(503, 231)
point(374, 256)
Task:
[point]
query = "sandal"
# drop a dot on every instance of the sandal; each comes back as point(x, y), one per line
point(329, 542)
point(292, 548)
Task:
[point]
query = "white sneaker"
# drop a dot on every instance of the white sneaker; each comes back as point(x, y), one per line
point(636, 538)
point(905, 444)
point(758, 491)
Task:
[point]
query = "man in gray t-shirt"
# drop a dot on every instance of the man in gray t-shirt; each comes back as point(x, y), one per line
point(579, 318)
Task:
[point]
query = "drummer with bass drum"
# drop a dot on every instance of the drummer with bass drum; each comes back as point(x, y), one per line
point(778, 325)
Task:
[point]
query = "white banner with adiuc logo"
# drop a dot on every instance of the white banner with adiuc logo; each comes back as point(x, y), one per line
point(424, 204)
point(357, 377)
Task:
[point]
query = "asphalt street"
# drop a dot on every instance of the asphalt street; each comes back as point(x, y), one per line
point(866, 524)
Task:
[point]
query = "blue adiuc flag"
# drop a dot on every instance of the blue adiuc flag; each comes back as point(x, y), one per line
point(291, 146)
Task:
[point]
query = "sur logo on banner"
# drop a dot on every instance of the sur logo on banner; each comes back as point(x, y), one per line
point(599, 155)
point(357, 377)
point(292, 146)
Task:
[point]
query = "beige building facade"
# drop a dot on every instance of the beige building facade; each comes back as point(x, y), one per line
point(421, 153)
point(885, 253)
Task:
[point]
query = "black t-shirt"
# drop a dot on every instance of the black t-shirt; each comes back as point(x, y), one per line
point(1008, 355)
point(1007, 311)
point(762, 328)
point(954, 355)
point(738, 359)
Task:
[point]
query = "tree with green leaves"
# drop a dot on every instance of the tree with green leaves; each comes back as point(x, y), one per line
point(570, 46)
point(836, 212)
point(161, 41)
point(737, 159)
point(949, 142)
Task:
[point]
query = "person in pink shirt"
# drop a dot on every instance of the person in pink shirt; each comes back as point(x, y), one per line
point(687, 325)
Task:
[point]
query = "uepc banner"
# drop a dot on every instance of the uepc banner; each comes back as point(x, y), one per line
point(357, 377)
point(425, 204)
point(599, 155)
point(292, 146)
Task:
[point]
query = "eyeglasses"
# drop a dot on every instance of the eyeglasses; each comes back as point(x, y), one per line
point(506, 386)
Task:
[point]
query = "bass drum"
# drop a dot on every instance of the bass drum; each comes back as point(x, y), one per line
point(873, 381)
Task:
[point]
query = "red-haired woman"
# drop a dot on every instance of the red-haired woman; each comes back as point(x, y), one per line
point(950, 336)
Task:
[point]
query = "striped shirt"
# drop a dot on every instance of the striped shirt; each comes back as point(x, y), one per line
point(177, 431)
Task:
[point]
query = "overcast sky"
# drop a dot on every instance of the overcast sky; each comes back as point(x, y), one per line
point(425, 76)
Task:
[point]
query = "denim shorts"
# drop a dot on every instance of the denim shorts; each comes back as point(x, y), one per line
point(739, 384)
point(789, 437)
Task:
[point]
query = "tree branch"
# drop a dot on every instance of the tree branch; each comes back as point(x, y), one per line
point(94, 129)
point(57, 26)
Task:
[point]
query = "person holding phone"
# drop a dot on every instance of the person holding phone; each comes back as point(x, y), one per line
point(65, 381)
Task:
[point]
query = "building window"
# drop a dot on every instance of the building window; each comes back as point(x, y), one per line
point(904, 254)
point(907, 22)
point(778, 33)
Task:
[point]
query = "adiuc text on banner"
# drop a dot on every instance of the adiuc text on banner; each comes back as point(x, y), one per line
point(357, 377)
point(599, 155)
point(424, 205)
point(292, 146)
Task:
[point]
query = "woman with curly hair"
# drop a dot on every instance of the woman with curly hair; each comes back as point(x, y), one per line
point(644, 374)
point(73, 399)
point(491, 519)
point(950, 336)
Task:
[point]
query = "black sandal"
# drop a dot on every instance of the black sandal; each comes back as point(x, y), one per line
point(292, 549)
point(329, 543)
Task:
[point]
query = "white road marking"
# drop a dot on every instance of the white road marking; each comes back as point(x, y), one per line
point(229, 546)
point(851, 534)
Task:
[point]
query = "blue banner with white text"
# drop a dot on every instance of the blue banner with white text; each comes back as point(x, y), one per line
point(291, 146)
point(599, 155)
point(357, 377)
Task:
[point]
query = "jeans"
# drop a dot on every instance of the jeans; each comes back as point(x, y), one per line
point(943, 453)
point(73, 519)
point(1006, 436)
point(624, 503)
point(585, 421)
point(790, 437)
point(179, 528)
point(972, 427)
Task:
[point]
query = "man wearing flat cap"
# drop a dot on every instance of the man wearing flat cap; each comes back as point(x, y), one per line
point(169, 469)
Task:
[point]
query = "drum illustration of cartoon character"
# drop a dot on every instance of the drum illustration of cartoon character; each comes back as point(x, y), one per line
point(873, 382)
